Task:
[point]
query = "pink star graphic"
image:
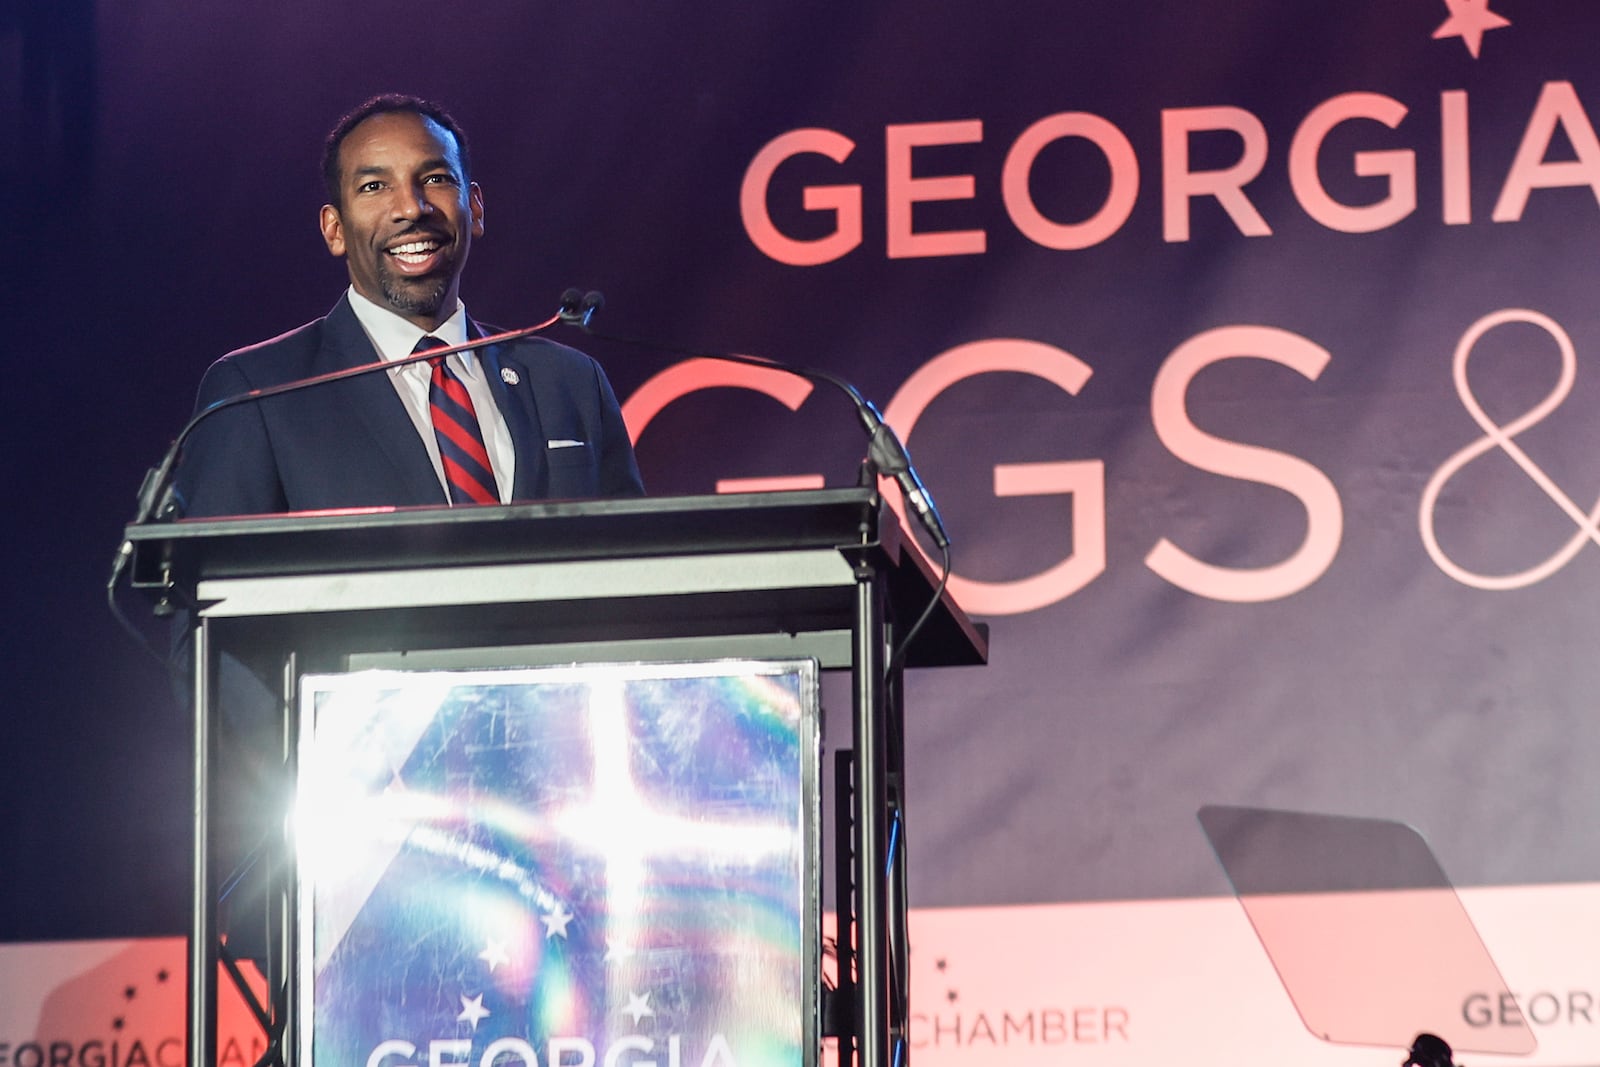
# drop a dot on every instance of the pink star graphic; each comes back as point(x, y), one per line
point(1470, 20)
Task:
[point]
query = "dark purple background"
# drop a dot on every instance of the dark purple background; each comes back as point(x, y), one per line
point(161, 160)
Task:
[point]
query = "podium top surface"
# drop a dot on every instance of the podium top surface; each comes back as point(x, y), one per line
point(856, 521)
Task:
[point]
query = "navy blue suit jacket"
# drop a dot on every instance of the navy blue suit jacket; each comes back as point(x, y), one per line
point(352, 444)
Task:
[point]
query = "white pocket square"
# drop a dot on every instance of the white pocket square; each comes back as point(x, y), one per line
point(564, 442)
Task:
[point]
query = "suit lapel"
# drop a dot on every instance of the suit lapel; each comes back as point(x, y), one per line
point(512, 384)
point(373, 400)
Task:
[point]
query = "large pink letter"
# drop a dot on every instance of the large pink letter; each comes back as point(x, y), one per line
point(684, 378)
point(1455, 157)
point(1083, 480)
point(902, 190)
point(1324, 513)
point(1179, 185)
point(1558, 103)
point(1119, 199)
point(1397, 165)
point(843, 200)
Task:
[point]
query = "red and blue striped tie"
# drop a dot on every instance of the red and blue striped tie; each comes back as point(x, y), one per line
point(455, 424)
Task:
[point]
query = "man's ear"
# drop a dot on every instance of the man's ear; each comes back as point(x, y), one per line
point(332, 229)
point(474, 205)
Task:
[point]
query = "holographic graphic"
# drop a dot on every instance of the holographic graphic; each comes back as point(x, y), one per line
point(577, 865)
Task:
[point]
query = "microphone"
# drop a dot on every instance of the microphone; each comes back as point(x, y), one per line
point(155, 499)
point(592, 301)
point(577, 309)
point(885, 451)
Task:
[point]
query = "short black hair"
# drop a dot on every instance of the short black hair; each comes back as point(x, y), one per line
point(384, 104)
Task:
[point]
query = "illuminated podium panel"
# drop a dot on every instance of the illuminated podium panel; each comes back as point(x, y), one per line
point(558, 865)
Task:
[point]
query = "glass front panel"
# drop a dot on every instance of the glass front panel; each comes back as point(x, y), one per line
point(577, 865)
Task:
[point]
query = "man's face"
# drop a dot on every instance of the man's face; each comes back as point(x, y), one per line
point(407, 216)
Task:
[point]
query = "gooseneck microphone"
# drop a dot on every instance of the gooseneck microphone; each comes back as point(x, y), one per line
point(885, 451)
point(156, 503)
point(578, 308)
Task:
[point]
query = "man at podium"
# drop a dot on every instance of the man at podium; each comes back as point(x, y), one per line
point(508, 422)
point(521, 421)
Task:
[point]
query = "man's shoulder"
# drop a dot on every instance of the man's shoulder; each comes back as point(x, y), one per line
point(287, 357)
point(307, 337)
point(292, 354)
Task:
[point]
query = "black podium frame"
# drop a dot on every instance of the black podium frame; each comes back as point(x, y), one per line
point(824, 574)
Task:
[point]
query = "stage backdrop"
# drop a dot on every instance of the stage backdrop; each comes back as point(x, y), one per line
point(1249, 348)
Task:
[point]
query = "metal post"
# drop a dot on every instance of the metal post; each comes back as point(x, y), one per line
point(841, 1023)
point(899, 935)
point(203, 927)
point(872, 903)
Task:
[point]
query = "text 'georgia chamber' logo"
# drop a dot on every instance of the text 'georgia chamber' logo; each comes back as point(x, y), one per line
point(942, 1018)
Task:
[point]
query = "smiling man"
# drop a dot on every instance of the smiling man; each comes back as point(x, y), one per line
point(522, 421)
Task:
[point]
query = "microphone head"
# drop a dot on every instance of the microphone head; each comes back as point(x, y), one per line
point(571, 303)
point(593, 301)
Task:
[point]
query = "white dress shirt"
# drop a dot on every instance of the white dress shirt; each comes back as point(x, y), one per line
point(394, 338)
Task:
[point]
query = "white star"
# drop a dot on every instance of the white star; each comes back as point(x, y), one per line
point(638, 1007)
point(555, 924)
point(472, 1011)
point(494, 954)
point(617, 950)
point(1469, 20)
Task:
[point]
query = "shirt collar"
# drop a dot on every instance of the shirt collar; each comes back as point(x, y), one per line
point(395, 337)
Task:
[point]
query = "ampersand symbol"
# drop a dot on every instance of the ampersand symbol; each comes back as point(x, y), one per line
point(1503, 438)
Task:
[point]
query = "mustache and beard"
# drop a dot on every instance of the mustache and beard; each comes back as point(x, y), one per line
point(418, 294)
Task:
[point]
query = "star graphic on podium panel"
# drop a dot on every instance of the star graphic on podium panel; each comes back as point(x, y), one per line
point(1470, 20)
point(638, 1006)
point(473, 1011)
point(555, 923)
point(494, 954)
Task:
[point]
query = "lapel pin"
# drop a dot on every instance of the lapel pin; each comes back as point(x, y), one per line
point(509, 376)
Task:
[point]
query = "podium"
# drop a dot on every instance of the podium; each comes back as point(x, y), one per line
point(826, 575)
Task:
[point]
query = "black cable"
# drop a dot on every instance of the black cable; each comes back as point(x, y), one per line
point(896, 660)
point(126, 623)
